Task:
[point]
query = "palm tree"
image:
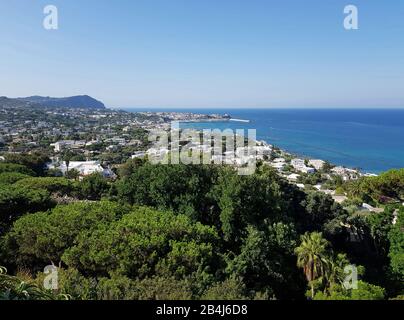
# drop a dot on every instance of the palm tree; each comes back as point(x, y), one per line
point(67, 155)
point(336, 273)
point(312, 256)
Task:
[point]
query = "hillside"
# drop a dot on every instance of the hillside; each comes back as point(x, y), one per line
point(15, 103)
point(83, 101)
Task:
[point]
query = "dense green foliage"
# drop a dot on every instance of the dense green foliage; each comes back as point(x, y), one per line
point(195, 232)
point(35, 161)
point(55, 186)
point(9, 178)
point(396, 252)
point(15, 168)
point(16, 201)
point(365, 291)
point(388, 187)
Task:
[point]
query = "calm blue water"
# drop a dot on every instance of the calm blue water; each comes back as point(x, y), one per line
point(370, 139)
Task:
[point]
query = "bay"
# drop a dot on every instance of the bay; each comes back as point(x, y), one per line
point(370, 139)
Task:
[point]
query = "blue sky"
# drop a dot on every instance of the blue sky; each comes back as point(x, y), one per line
point(206, 53)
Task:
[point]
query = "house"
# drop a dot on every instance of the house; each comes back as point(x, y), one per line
point(86, 168)
point(300, 165)
point(278, 165)
point(293, 177)
point(68, 144)
point(339, 199)
point(317, 164)
point(157, 154)
point(307, 170)
point(264, 150)
point(139, 155)
point(345, 173)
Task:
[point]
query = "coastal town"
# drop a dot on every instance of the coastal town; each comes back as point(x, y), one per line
point(84, 141)
point(200, 159)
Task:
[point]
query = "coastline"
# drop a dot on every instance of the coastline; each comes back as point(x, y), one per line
point(351, 137)
point(282, 151)
point(204, 120)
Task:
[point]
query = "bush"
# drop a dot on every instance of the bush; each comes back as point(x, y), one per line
point(18, 200)
point(230, 289)
point(7, 178)
point(41, 239)
point(55, 186)
point(17, 168)
point(156, 288)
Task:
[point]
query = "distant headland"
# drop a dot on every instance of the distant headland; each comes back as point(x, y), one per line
point(79, 102)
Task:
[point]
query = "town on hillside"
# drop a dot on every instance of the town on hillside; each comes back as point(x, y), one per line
point(82, 141)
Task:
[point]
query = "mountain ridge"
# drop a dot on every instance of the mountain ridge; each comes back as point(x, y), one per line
point(80, 101)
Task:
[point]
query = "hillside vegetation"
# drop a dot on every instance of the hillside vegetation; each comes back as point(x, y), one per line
point(195, 232)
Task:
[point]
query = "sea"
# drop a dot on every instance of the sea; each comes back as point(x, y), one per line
point(369, 139)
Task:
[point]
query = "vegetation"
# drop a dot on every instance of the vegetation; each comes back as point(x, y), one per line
point(14, 288)
point(386, 188)
point(194, 232)
point(312, 256)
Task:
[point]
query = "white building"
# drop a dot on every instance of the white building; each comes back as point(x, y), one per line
point(264, 150)
point(307, 170)
point(85, 168)
point(317, 164)
point(278, 165)
point(345, 173)
point(300, 165)
point(139, 155)
point(156, 155)
point(293, 177)
point(68, 144)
